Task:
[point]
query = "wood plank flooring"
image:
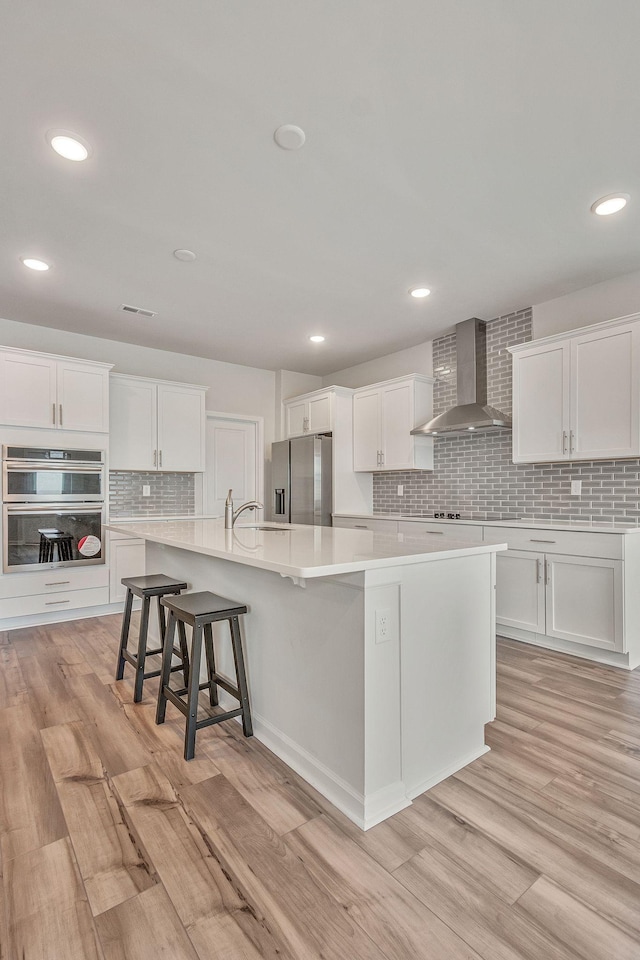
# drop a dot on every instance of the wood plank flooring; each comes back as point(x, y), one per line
point(113, 848)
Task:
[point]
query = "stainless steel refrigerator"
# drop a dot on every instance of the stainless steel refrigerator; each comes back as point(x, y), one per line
point(301, 474)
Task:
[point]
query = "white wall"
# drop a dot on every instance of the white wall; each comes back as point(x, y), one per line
point(602, 301)
point(417, 359)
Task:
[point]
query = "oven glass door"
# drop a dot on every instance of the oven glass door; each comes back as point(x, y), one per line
point(55, 535)
point(28, 483)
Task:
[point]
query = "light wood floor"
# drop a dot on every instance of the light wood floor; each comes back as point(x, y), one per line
point(113, 847)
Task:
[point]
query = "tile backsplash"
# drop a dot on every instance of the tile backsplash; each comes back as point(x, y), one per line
point(171, 493)
point(474, 475)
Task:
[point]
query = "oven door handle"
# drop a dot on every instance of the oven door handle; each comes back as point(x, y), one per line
point(26, 509)
point(33, 466)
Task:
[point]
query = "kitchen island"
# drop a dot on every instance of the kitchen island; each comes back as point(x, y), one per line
point(370, 658)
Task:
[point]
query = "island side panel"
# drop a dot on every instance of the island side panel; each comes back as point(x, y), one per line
point(447, 658)
point(304, 649)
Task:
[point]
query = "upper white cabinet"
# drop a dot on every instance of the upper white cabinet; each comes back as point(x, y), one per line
point(577, 397)
point(156, 425)
point(39, 390)
point(310, 413)
point(384, 415)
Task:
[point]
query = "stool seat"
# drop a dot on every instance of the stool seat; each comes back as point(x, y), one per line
point(200, 611)
point(154, 585)
point(204, 606)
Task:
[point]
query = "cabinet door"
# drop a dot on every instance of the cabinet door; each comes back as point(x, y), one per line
point(366, 431)
point(397, 422)
point(319, 415)
point(28, 390)
point(520, 590)
point(133, 412)
point(296, 418)
point(605, 400)
point(584, 601)
point(83, 397)
point(126, 559)
point(541, 404)
point(180, 429)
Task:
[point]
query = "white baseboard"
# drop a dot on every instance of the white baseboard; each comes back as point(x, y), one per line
point(582, 650)
point(446, 772)
point(364, 813)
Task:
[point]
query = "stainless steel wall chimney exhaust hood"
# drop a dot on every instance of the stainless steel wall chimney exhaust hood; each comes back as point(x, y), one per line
point(471, 411)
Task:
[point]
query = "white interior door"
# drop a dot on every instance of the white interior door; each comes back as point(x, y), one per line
point(232, 462)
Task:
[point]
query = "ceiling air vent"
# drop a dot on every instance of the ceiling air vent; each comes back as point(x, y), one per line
point(127, 308)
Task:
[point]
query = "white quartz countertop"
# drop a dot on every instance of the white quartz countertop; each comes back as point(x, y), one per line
point(585, 526)
point(298, 550)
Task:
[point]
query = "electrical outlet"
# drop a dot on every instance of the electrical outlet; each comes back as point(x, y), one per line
point(400, 490)
point(383, 625)
point(146, 490)
point(576, 488)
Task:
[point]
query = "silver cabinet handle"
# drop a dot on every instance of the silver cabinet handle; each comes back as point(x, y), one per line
point(155, 458)
point(60, 414)
point(360, 526)
point(53, 414)
point(382, 458)
point(435, 533)
point(572, 444)
point(539, 571)
point(548, 571)
point(160, 463)
point(54, 603)
point(564, 441)
point(541, 541)
point(57, 583)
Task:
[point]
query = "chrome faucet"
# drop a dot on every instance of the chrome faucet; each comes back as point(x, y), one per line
point(231, 515)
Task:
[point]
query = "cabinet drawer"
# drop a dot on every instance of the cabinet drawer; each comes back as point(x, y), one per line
point(455, 530)
point(58, 580)
point(367, 523)
point(52, 603)
point(576, 543)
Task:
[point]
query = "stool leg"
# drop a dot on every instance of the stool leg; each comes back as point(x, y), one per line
point(167, 653)
point(142, 650)
point(124, 634)
point(236, 643)
point(192, 697)
point(211, 664)
point(161, 622)
point(184, 650)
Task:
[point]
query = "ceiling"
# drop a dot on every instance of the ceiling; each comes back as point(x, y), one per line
point(454, 144)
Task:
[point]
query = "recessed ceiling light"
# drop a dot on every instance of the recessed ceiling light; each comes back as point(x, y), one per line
point(317, 339)
point(34, 264)
point(187, 256)
point(419, 292)
point(612, 203)
point(68, 145)
point(289, 137)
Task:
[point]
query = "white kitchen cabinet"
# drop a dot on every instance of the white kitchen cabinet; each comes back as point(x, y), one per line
point(544, 595)
point(520, 594)
point(577, 397)
point(126, 559)
point(584, 600)
point(39, 390)
point(389, 527)
point(156, 425)
point(384, 414)
point(311, 413)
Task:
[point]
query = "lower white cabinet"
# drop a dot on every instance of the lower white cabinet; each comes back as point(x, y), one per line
point(126, 559)
point(53, 591)
point(542, 596)
point(367, 523)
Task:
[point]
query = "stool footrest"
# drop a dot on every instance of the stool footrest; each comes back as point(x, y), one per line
point(177, 701)
point(226, 685)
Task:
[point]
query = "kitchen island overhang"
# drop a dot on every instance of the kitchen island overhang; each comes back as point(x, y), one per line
point(375, 681)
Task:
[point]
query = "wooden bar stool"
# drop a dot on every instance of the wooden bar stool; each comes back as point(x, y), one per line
point(156, 585)
point(200, 611)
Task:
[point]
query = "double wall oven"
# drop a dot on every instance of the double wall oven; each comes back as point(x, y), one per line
point(52, 507)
